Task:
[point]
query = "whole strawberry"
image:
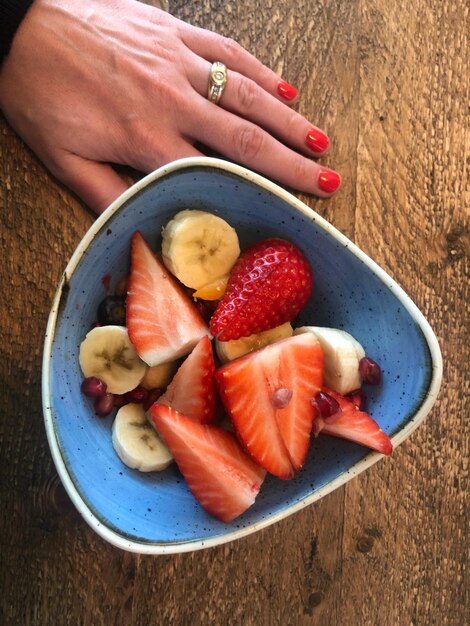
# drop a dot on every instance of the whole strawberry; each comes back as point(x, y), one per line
point(268, 286)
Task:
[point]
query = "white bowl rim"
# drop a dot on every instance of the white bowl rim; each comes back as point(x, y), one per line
point(125, 543)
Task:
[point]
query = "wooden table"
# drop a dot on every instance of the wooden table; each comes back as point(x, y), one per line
point(388, 80)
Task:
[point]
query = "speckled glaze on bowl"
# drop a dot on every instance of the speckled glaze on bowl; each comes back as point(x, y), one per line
point(155, 513)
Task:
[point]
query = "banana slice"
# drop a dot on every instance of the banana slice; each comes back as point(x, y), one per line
point(107, 353)
point(230, 350)
point(159, 376)
point(136, 441)
point(342, 355)
point(199, 247)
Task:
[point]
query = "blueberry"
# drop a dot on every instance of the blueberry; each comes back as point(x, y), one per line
point(112, 310)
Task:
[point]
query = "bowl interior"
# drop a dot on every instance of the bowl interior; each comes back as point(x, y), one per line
point(158, 508)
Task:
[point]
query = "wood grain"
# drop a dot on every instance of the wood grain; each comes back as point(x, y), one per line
point(390, 82)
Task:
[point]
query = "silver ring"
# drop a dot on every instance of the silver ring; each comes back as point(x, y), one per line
point(217, 81)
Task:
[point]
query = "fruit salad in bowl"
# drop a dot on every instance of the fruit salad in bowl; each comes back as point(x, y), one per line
point(218, 356)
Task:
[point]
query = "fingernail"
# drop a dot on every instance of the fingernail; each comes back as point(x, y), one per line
point(317, 140)
point(328, 180)
point(286, 91)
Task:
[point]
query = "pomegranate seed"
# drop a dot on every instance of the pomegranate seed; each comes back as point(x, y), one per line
point(281, 397)
point(138, 395)
point(152, 397)
point(370, 371)
point(106, 281)
point(357, 397)
point(325, 404)
point(104, 405)
point(93, 387)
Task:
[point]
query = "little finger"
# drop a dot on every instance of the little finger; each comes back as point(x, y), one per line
point(250, 145)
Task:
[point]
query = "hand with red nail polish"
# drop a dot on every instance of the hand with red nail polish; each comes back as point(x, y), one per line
point(64, 96)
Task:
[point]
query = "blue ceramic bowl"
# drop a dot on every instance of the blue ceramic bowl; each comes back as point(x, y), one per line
point(155, 513)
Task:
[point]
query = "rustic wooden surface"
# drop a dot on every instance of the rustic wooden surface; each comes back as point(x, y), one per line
point(390, 82)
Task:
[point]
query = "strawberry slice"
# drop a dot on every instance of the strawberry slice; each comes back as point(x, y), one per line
point(268, 286)
point(267, 394)
point(162, 322)
point(192, 390)
point(352, 424)
point(222, 478)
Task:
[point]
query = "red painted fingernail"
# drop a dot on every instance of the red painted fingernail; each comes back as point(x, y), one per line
point(317, 140)
point(328, 180)
point(286, 91)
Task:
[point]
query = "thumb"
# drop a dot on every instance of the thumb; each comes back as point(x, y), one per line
point(97, 184)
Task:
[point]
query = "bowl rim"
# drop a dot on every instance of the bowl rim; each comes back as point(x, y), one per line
point(156, 548)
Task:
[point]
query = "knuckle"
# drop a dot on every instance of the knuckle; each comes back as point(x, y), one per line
point(301, 169)
point(136, 132)
point(232, 48)
point(159, 18)
point(169, 52)
point(165, 94)
point(248, 142)
point(247, 93)
point(141, 147)
point(292, 127)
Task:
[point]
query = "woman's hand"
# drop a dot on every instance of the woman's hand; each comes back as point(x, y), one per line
point(87, 84)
